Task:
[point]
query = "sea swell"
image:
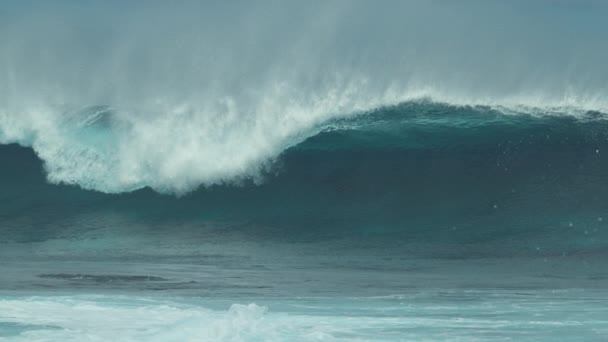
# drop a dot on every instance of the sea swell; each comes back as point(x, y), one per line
point(472, 178)
point(395, 170)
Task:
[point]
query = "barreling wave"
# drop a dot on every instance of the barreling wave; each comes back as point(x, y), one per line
point(115, 98)
point(97, 148)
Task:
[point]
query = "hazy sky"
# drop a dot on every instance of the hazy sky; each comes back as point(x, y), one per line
point(483, 46)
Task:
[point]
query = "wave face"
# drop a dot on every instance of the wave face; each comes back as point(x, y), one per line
point(114, 97)
point(443, 180)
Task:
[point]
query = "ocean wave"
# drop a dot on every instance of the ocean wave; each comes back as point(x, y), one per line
point(115, 98)
point(105, 149)
point(474, 180)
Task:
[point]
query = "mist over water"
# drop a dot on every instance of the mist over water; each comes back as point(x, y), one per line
point(207, 93)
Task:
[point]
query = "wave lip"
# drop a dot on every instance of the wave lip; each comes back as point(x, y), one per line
point(102, 148)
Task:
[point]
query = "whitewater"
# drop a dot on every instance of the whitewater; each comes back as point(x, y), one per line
point(315, 171)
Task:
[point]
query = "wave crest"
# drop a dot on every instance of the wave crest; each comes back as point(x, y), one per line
point(194, 101)
point(108, 150)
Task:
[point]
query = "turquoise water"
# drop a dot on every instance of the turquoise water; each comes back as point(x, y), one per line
point(397, 225)
point(325, 170)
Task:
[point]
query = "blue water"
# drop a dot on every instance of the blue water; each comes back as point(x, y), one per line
point(416, 222)
point(282, 171)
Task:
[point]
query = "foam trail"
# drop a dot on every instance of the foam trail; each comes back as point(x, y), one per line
point(533, 315)
point(115, 97)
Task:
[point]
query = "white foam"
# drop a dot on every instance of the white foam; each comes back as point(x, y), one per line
point(100, 319)
point(437, 315)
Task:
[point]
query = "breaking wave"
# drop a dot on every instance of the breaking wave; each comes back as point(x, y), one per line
point(100, 149)
point(116, 98)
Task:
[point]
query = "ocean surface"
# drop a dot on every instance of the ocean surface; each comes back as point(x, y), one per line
point(329, 171)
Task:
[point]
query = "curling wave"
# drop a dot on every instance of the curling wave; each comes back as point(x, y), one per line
point(99, 148)
point(468, 180)
point(116, 98)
